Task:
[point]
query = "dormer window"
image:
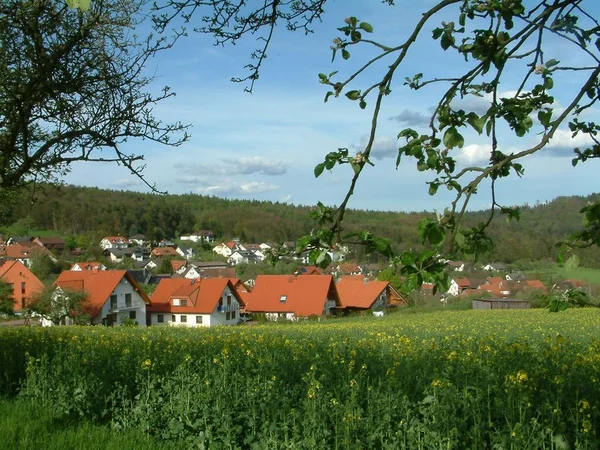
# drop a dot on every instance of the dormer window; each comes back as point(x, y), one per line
point(183, 302)
point(175, 302)
point(283, 299)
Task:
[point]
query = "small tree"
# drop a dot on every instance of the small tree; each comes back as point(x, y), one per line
point(6, 298)
point(57, 304)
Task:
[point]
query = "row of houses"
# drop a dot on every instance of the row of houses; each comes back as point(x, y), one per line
point(115, 297)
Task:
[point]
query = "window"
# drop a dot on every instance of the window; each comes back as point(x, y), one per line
point(233, 314)
point(184, 302)
point(173, 318)
point(198, 320)
point(220, 303)
point(22, 288)
point(128, 300)
point(183, 319)
point(160, 318)
point(229, 300)
point(132, 315)
point(113, 302)
point(283, 298)
point(227, 315)
point(175, 302)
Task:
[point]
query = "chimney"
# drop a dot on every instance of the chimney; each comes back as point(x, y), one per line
point(365, 280)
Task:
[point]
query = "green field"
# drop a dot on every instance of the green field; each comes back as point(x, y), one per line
point(467, 379)
point(560, 273)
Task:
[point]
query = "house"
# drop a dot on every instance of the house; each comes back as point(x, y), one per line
point(51, 243)
point(533, 285)
point(290, 297)
point(457, 266)
point(88, 265)
point(360, 293)
point(495, 267)
point(114, 242)
point(150, 265)
point(372, 270)
point(114, 296)
point(116, 255)
point(458, 286)
point(167, 243)
point(23, 281)
point(140, 253)
point(308, 270)
point(160, 252)
point(191, 272)
point(227, 272)
point(19, 240)
point(178, 266)
point(186, 252)
point(198, 236)
point(515, 276)
point(242, 257)
point(579, 285)
point(195, 303)
point(25, 252)
point(346, 269)
point(138, 239)
point(226, 248)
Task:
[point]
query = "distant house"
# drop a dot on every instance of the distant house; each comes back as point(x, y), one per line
point(186, 252)
point(88, 265)
point(114, 295)
point(360, 293)
point(458, 286)
point(499, 303)
point(457, 266)
point(12, 240)
point(195, 303)
point(243, 257)
point(25, 252)
point(291, 297)
point(51, 243)
point(23, 281)
point(226, 248)
point(167, 243)
point(198, 236)
point(114, 242)
point(346, 269)
point(495, 267)
point(160, 252)
point(228, 272)
point(191, 272)
point(178, 266)
point(308, 270)
point(515, 276)
point(533, 285)
point(116, 255)
point(140, 253)
point(137, 239)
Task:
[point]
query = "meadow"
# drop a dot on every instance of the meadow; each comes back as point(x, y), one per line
point(453, 379)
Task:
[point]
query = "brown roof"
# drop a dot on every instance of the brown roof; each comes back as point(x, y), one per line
point(349, 267)
point(117, 239)
point(533, 285)
point(463, 282)
point(15, 273)
point(20, 251)
point(304, 296)
point(177, 264)
point(55, 240)
point(87, 265)
point(164, 251)
point(98, 285)
point(203, 294)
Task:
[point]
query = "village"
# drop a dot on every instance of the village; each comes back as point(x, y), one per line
point(196, 293)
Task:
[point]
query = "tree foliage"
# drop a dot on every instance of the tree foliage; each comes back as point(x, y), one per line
point(73, 88)
point(7, 302)
point(509, 59)
point(61, 306)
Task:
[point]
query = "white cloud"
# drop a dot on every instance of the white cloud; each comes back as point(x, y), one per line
point(383, 147)
point(474, 154)
point(563, 143)
point(235, 188)
point(133, 181)
point(247, 165)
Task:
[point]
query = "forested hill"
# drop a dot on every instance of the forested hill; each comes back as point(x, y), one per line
point(72, 210)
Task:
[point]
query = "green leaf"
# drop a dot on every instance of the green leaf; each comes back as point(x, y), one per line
point(345, 54)
point(355, 36)
point(459, 239)
point(544, 118)
point(572, 262)
point(329, 94)
point(461, 19)
point(476, 122)
point(452, 138)
point(362, 104)
point(353, 95)
point(366, 27)
point(319, 169)
point(551, 63)
point(322, 77)
point(548, 83)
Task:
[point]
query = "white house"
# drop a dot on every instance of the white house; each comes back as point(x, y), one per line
point(203, 302)
point(113, 295)
point(226, 248)
point(198, 236)
point(186, 252)
point(192, 272)
point(114, 242)
point(88, 265)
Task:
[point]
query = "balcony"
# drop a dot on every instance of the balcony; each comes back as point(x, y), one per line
point(124, 306)
point(227, 308)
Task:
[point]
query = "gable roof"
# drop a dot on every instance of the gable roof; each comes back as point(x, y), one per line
point(304, 296)
point(20, 251)
point(463, 283)
point(98, 285)
point(349, 268)
point(16, 273)
point(359, 292)
point(164, 251)
point(116, 239)
point(87, 265)
point(309, 270)
point(177, 264)
point(203, 293)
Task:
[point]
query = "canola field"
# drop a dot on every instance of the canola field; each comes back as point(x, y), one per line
point(454, 380)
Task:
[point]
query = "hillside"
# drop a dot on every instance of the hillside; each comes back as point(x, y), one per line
point(93, 212)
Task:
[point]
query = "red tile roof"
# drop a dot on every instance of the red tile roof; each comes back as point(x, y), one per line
point(177, 264)
point(164, 251)
point(355, 292)
point(87, 265)
point(98, 285)
point(494, 280)
point(203, 294)
point(20, 251)
point(349, 268)
point(309, 270)
point(534, 285)
point(304, 296)
point(463, 283)
point(15, 273)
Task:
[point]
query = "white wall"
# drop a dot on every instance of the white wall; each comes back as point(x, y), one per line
point(124, 287)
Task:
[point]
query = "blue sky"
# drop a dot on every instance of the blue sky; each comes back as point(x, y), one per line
point(265, 145)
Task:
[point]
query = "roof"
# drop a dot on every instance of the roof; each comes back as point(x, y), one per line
point(116, 239)
point(533, 284)
point(494, 280)
point(203, 293)
point(87, 265)
point(16, 273)
point(359, 292)
point(177, 264)
point(309, 270)
point(349, 268)
point(20, 251)
point(463, 282)
point(53, 240)
point(304, 296)
point(164, 251)
point(99, 285)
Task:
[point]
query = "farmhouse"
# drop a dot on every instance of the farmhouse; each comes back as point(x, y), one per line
point(290, 297)
point(113, 295)
point(202, 302)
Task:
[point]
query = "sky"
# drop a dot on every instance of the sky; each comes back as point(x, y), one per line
point(265, 145)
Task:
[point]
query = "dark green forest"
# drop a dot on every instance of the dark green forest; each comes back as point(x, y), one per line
point(91, 213)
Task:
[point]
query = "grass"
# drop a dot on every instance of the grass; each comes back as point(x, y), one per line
point(578, 273)
point(25, 425)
